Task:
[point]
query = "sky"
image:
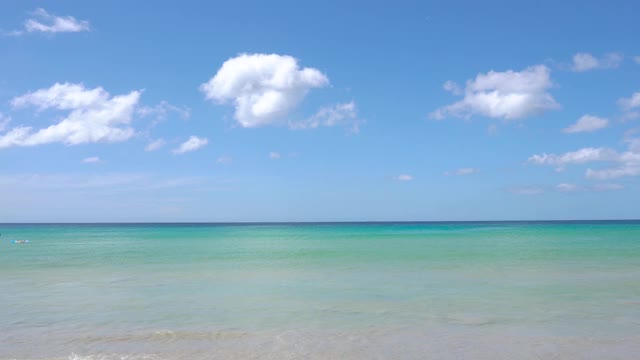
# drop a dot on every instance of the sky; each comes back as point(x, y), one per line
point(230, 111)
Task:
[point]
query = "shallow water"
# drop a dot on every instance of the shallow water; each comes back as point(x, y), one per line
point(357, 291)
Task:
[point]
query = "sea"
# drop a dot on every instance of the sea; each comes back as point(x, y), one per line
point(468, 290)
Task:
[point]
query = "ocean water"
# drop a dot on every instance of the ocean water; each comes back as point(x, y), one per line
point(321, 291)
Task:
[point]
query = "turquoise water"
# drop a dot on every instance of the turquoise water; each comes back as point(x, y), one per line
point(358, 291)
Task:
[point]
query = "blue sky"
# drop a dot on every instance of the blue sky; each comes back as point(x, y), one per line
point(324, 111)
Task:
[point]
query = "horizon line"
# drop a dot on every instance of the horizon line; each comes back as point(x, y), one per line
point(345, 222)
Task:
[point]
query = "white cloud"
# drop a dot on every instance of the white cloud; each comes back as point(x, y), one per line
point(338, 115)
point(462, 171)
point(631, 102)
point(94, 116)
point(452, 87)
point(632, 142)
point(224, 160)
point(607, 187)
point(630, 106)
point(404, 177)
point(155, 145)
point(162, 111)
point(91, 160)
point(505, 95)
point(585, 61)
point(581, 156)
point(526, 190)
point(192, 144)
point(264, 88)
point(637, 59)
point(44, 22)
point(587, 123)
point(564, 187)
point(626, 163)
point(4, 121)
point(69, 181)
point(274, 155)
point(614, 173)
point(65, 96)
point(119, 181)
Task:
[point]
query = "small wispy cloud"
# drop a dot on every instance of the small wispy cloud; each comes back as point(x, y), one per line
point(155, 145)
point(625, 163)
point(104, 181)
point(192, 144)
point(580, 156)
point(4, 121)
point(587, 123)
point(636, 59)
point(630, 106)
point(225, 160)
point(462, 171)
point(162, 110)
point(91, 160)
point(44, 22)
point(526, 190)
point(70, 181)
point(274, 155)
point(607, 187)
point(452, 87)
point(627, 169)
point(585, 61)
point(337, 115)
point(565, 187)
point(403, 177)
